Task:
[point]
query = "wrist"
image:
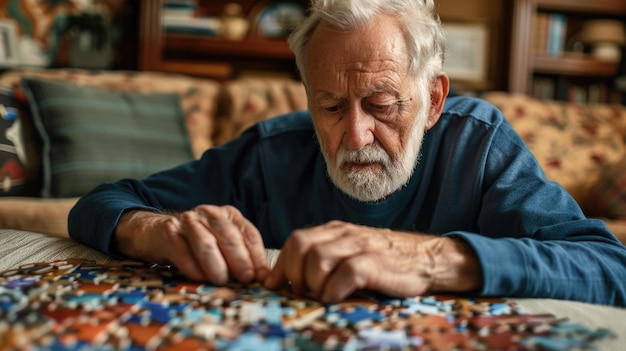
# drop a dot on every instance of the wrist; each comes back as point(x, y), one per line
point(457, 268)
point(135, 235)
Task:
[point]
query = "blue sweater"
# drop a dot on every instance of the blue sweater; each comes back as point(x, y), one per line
point(476, 179)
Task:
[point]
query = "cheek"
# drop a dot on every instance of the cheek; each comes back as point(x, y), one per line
point(329, 136)
point(394, 138)
point(405, 132)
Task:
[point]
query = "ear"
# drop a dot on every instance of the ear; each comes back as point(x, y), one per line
point(438, 92)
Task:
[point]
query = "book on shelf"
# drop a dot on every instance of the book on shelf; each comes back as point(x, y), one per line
point(180, 16)
point(578, 94)
point(196, 25)
point(563, 89)
point(179, 8)
point(549, 33)
point(544, 88)
point(597, 93)
point(540, 32)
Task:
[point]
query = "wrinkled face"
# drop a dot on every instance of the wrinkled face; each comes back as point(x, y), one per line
point(365, 107)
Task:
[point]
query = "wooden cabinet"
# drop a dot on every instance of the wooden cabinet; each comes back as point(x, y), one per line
point(210, 56)
point(528, 66)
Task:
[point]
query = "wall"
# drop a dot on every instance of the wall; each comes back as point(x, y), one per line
point(496, 15)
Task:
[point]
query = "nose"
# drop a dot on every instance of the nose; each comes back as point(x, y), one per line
point(359, 130)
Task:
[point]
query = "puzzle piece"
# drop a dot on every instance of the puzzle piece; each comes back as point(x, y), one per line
point(78, 304)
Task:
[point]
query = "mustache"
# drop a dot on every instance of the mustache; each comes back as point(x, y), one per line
point(372, 153)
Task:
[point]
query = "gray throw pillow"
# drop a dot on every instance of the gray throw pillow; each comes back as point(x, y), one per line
point(92, 135)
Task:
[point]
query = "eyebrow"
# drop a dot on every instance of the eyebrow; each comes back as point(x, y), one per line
point(383, 88)
point(377, 88)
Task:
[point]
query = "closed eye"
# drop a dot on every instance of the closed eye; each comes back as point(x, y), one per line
point(332, 109)
point(381, 111)
point(377, 108)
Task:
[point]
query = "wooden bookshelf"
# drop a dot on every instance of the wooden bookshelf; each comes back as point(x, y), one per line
point(525, 64)
point(574, 64)
point(208, 56)
point(269, 48)
point(581, 6)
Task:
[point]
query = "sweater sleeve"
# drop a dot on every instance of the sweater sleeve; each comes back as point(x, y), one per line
point(534, 240)
point(586, 269)
point(228, 174)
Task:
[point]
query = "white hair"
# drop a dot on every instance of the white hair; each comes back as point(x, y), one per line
point(424, 35)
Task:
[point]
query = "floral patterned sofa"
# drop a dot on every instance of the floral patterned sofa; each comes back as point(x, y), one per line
point(581, 147)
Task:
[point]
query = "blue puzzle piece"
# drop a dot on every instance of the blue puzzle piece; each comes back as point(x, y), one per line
point(360, 314)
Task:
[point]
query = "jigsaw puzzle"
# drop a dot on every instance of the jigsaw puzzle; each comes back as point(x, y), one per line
point(81, 305)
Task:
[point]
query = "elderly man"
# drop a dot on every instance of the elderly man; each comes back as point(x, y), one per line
point(381, 185)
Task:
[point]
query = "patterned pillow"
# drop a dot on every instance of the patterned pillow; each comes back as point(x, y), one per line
point(13, 175)
point(91, 135)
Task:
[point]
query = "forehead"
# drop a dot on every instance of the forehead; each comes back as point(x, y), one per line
point(375, 47)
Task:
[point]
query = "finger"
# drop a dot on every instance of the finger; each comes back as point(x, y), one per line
point(291, 261)
point(322, 259)
point(254, 244)
point(352, 274)
point(179, 253)
point(204, 247)
point(276, 277)
point(228, 235)
point(372, 271)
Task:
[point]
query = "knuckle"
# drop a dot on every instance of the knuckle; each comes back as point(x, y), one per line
point(208, 211)
point(203, 208)
point(301, 240)
point(350, 268)
point(187, 216)
point(336, 222)
point(170, 226)
point(231, 210)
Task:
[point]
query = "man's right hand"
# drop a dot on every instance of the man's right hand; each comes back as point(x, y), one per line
point(207, 243)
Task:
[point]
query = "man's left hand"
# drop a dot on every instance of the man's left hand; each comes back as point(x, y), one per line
point(335, 259)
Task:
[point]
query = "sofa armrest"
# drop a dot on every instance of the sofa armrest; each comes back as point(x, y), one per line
point(48, 216)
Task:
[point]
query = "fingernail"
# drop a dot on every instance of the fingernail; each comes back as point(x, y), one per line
point(247, 275)
point(220, 279)
point(270, 282)
point(262, 274)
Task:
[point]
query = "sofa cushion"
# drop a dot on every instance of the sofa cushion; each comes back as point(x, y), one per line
point(92, 135)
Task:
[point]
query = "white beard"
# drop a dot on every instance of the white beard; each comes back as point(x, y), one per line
point(374, 185)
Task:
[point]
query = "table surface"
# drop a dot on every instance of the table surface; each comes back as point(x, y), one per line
point(17, 247)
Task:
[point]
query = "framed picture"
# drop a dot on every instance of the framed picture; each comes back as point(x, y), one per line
point(271, 19)
point(8, 43)
point(467, 51)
